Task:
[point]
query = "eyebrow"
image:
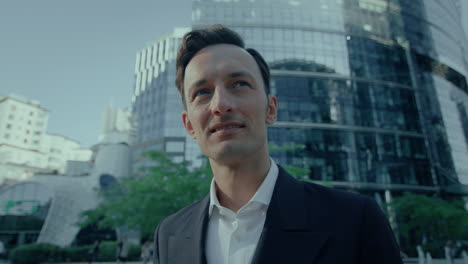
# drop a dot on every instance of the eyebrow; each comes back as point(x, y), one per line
point(231, 75)
point(240, 74)
point(198, 83)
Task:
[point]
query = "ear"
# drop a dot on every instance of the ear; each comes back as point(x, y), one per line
point(272, 110)
point(188, 125)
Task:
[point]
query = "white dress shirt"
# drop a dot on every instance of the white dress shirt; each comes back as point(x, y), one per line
point(233, 237)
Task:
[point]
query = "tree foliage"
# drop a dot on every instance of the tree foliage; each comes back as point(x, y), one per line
point(142, 202)
point(300, 173)
point(429, 221)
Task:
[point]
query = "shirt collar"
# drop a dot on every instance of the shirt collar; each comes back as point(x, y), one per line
point(263, 194)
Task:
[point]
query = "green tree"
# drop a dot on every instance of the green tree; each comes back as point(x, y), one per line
point(300, 173)
point(142, 202)
point(428, 221)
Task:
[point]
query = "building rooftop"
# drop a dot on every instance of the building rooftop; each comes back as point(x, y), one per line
point(22, 99)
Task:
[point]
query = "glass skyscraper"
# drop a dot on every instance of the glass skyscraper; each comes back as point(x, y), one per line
point(156, 105)
point(372, 93)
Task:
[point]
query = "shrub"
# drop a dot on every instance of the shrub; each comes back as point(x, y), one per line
point(79, 254)
point(134, 252)
point(35, 253)
point(107, 251)
point(38, 253)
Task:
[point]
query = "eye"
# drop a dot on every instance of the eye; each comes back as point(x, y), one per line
point(238, 84)
point(201, 92)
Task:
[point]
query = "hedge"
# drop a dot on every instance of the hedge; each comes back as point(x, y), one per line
point(35, 253)
point(76, 253)
point(38, 253)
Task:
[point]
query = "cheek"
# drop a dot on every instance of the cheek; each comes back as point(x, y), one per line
point(260, 108)
point(200, 121)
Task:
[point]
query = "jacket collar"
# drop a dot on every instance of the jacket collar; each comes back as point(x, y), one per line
point(189, 245)
point(290, 233)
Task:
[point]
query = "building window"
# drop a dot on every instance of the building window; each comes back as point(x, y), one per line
point(464, 119)
point(7, 136)
point(25, 141)
point(31, 113)
point(11, 117)
point(27, 131)
point(174, 146)
point(8, 126)
point(29, 122)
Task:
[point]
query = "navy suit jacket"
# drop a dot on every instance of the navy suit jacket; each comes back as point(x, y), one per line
point(305, 223)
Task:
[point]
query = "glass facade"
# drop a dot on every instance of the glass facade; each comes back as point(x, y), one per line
point(365, 88)
point(156, 104)
point(23, 211)
point(25, 199)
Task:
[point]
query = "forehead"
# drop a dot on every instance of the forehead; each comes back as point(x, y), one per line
point(218, 61)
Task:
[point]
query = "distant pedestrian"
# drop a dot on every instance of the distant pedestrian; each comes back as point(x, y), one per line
point(146, 251)
point(122, 250)
point(2, 250)
point(93, 252)
point(449, 252)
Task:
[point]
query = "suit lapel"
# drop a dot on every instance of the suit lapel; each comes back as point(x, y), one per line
point(288, 235)
point(189, 246)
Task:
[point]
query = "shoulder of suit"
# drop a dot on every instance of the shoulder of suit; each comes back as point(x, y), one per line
point(335, 196)
point(340, 203)
point(181, 215)
point(323, 191)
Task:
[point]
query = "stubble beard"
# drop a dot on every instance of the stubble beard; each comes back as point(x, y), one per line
point(236, 152)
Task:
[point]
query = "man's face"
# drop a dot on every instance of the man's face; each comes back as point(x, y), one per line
point(227, 109)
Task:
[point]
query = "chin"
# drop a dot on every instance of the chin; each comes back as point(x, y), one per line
point(230, 153)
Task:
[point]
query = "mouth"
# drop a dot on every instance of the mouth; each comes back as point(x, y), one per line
point(226, 126)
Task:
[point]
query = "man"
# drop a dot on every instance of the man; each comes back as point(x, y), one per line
point(255, 211)
point(123, 247)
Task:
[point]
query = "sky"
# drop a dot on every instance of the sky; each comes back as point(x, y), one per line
point(78, 56)
point(465, 15)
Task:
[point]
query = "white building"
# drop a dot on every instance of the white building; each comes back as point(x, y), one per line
point(25, 146)
point(23, 123)
point(116, 126)
point(59, 201)
point(60, 149)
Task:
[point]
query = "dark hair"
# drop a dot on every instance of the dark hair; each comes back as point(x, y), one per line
point(195, 40)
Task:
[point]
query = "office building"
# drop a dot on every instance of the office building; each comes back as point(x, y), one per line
point(156, 104)
point(372, 94)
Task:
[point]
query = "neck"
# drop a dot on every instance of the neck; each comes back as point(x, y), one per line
point(237, 183)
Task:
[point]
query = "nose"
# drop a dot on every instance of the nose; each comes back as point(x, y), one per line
point(222, 101)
